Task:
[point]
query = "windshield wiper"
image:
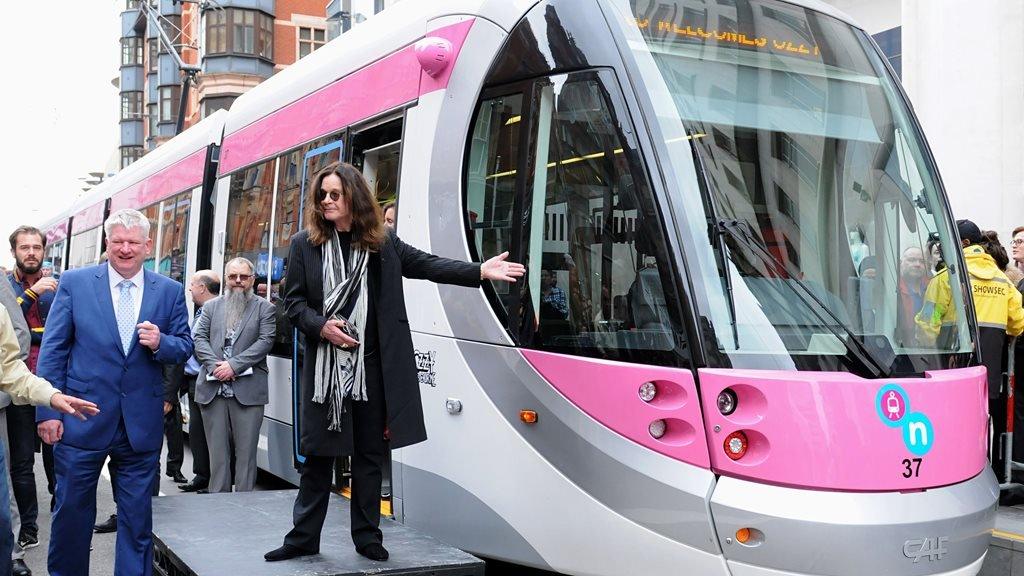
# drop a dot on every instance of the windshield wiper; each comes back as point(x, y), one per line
point(739, 231)
point(711, 210)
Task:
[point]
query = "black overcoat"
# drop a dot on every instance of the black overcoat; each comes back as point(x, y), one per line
point(303, 300)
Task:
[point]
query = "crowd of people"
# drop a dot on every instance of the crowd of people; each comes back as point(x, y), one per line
point(117, 338)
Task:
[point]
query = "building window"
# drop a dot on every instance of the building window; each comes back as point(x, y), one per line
point(131, 51)
point(130, 154)
point(170, 98)
point(237, 31)
point(131, 4)
point(378, 6)
point(216, 32)
point(131, 106)
point(154, 54)
point(891, 43)
point(153, 120)
point(211, 105)
point(172, 28)
point(310, 39)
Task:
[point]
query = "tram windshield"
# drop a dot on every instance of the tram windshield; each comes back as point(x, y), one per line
point(819, 208)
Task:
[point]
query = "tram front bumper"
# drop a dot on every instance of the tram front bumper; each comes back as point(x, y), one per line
point(941, 531)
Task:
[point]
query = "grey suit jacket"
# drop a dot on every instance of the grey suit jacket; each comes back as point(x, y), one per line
point(253, 342)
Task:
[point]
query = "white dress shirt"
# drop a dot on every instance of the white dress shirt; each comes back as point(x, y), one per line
point(137, 288)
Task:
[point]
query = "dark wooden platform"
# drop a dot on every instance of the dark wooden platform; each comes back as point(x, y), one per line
point(227, 534)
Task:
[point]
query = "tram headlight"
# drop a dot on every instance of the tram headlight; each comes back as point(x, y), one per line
point(726, 401)
point(648, 390)
point(657, 429)
point(736, 445)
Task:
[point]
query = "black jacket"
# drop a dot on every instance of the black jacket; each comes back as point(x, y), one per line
point(303, 301)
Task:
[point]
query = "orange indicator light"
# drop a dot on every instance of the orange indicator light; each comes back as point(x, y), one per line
point(528, 416)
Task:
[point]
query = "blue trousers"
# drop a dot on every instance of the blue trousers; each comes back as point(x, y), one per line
point(77, 472)
point(6, 536)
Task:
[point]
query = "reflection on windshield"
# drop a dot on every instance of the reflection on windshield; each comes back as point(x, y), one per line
point(803, 139)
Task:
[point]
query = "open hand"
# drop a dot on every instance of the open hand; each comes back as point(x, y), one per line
point(498, 269)
point(76, 407)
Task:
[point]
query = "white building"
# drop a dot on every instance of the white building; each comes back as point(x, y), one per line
point(962, 65)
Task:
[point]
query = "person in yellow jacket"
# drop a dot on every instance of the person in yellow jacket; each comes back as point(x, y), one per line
point(997, 305)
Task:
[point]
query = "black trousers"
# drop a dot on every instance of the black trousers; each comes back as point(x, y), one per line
point(21, 432)
point(197, 441)
point(175, 440)
point(369, 419)
point(997, 411)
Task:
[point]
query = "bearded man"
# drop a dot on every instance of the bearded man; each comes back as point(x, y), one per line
point(232, 339)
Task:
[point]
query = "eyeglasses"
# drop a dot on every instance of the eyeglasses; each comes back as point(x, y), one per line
point(334, 196)
point(1017, 241)
point(239, 277)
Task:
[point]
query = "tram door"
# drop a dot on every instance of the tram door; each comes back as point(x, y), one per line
point(312, 162)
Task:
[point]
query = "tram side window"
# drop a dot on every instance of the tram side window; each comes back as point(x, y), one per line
point(248, 226)
point(55, 254)
point(174, 236)
point(286, 223)
point(152, 213)
point(494, 157)
point(598, 280)
point(83, 248)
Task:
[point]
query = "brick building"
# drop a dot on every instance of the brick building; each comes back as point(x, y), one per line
point(234, 45)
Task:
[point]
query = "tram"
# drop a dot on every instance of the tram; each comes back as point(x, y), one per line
point(711, 366)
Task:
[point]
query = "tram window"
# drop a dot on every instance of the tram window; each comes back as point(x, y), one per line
point(494, 157)
point(248, 226)
point(55, 254)
point(286, 223)
point(375, 152)
point(174, 236)
point(598, 275)
point(83, 248)
point(152, 213)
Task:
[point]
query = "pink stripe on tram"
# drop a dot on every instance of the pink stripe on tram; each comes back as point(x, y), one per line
point(87, 219)
point(180, 176)
point(388, 83)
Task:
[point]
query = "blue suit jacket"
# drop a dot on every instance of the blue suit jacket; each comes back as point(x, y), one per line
point(82, 355)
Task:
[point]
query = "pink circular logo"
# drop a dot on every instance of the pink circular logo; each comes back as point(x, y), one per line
point(893, 405)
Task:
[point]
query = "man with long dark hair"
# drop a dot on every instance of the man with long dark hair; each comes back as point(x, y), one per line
point(360, 392)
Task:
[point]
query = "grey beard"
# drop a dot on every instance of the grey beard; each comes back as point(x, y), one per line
point(234, 306)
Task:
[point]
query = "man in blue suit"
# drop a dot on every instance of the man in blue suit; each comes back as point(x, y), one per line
point(110, 330)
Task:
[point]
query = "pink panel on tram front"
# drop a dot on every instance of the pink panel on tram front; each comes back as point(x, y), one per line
point(381, 86)
point(57, 233)
point(609, 393)
point(837, 431)
point(87, 219)
point(182, 175)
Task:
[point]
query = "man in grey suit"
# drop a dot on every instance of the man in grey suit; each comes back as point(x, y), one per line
point(233, 337)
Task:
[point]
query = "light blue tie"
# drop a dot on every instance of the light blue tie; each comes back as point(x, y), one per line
point(125, 314)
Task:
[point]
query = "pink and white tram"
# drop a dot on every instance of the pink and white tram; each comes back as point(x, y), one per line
point(712, 366)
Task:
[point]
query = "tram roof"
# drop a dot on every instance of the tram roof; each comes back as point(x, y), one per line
point(381, 35)
point(194, 140)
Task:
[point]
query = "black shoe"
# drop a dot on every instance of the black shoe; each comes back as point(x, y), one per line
point(374, 551)
point(286, 552)
point(178, 478)
point(28, 540)
point(202, 491)
point(109, 526)
point(192, 486)
point(19, 568)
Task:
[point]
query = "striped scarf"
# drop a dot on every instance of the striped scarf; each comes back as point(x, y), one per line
point(339, 371)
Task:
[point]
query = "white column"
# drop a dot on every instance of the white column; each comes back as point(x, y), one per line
point(963, 68)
